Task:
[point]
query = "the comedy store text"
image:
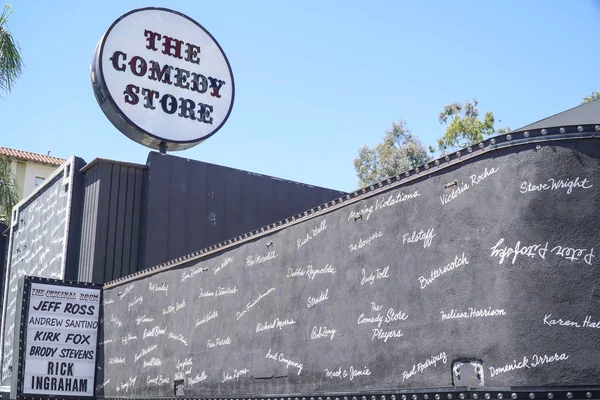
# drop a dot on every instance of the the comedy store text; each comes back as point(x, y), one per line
point(169, 75)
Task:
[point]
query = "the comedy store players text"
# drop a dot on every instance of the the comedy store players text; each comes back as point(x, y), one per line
point(188, 79)
point(62, 327)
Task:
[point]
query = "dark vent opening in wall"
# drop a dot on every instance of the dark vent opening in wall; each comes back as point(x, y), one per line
point(468, 372)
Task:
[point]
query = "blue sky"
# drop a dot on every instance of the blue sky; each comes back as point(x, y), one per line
point(315, 80)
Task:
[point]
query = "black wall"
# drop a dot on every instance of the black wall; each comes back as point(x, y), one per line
point(136, 216)
point(189, 205)
point(256, 318)
point(112, 207)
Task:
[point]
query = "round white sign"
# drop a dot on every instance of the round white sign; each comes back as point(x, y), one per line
point(162, 79)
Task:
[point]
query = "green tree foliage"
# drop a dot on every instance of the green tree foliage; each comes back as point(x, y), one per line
point(8, 191)
point(595, 95)
point(463, 126)
point(399, 151)
point(10, 57)
point(10, 69)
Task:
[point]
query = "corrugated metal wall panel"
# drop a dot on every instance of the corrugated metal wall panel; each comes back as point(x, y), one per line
point(88, 226)
point(138, 216)
point(234, 202)
point(197, 208)
point(189, 205)
point(111, 234)
point(249, 201)
point(123, 213)
point(177, 219)
point(216, 227)
point(127, 218)
point(111, 220)
point(105, 175)
point(136, 219)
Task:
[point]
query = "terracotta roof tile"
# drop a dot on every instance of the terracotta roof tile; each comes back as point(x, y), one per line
point(28, 156)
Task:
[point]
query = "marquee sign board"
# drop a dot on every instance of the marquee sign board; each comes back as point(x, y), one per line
point(162, 79)
point(58, 339)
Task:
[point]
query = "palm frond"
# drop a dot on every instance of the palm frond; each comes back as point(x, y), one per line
point(11, 63)
point(9, 191)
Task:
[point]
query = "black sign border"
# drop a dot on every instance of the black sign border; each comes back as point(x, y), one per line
point(23, 310)
point(130, 129)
